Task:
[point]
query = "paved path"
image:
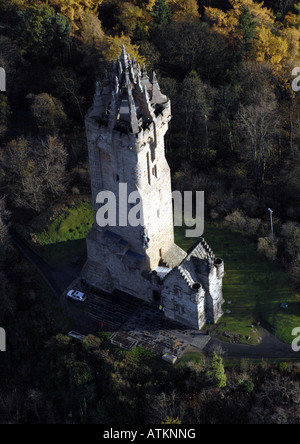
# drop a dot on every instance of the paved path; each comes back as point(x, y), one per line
point(269, 348)
point(56, 280)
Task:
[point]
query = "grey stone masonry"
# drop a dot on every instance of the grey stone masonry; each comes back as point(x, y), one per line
point(125, 130)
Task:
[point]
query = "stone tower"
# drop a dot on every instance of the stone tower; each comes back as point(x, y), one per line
point(125, 132)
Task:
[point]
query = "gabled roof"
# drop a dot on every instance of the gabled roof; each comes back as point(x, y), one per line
point(197, 263)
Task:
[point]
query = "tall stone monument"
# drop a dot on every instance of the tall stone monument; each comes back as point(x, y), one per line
point(125, 130)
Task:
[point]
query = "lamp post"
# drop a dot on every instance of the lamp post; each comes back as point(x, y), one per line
point(271, 219)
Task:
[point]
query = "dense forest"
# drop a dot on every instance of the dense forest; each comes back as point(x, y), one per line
point(227, 66)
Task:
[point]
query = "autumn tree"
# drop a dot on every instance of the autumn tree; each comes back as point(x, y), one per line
point(133, 18)
point(91, 33)
point(184, 8)
point(113, 48)
point(48, 112)
point(273, 43)
point(74, 9)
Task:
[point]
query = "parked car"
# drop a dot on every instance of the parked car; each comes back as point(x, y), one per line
point(77, 295)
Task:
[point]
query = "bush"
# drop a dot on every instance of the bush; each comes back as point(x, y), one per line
point(236, 221)
point(252, 226)
point(290, 233)
point(246, 384)
point(91, 342)
point(267, 247)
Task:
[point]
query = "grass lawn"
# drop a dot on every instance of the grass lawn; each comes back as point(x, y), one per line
point(74, 223)
point(255, 286)
point(64, 237)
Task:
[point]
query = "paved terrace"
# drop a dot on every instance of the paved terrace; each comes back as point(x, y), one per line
point(131, 321)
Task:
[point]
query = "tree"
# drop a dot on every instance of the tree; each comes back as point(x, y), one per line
point(113, 48)
point(259, 123)
point(41, 30)
point(74, 9)
point(132, 18)
point(91, 33)
point(217, 372)
point(4, 110)
point(183, 8)
point(273, 43)
point(4, 223)
point(161, 13)
point(193, 112)
point(226, 105)
point(48, 112)
point(170, 420)
point(52, 159)
point(33, 171)
point(247, 27)
point(190, 45)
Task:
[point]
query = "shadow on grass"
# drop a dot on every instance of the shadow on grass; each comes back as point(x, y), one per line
point(58, 254)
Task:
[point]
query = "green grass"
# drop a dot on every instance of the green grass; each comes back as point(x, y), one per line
point(74, 223)
point(65, 236)
point(255, 286)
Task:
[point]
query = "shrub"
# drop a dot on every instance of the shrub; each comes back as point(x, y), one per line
point(283, 366)
point(290, 233)
point(236, 221)
point(91, 342)
point(246, 384)
point(267, 247)
point(252, 226)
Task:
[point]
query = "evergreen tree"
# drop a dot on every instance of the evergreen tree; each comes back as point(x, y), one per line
point(247, 27)
point(217, 372)
point(161, 13)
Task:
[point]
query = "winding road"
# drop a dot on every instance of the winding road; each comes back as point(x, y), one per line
point(269, 348)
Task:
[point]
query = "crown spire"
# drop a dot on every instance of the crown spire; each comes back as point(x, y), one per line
point(128, 97)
